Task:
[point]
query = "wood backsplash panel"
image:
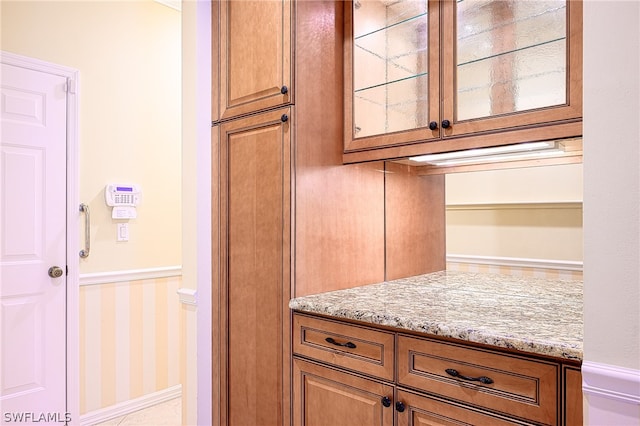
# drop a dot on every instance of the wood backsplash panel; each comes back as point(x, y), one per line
point(415, 222)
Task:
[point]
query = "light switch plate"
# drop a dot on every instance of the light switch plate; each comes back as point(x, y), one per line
point(123, 232)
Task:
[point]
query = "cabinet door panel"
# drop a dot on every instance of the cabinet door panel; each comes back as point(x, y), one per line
point(508, 64)
point(324, 396)
point(255, 56)
point(430, 411)
point(255, 262)
point(391, 74)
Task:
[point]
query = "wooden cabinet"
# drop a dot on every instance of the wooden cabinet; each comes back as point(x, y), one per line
point(255, 216)
point(253, 42)
point(289, 218)
point(332, 397)
point(445, 76)
point(436, 382)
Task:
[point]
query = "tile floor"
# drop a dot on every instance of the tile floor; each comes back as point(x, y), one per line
point(166, 414)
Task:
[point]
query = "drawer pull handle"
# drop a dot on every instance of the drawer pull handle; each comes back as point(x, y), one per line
point(482, 379)
point(348, 344)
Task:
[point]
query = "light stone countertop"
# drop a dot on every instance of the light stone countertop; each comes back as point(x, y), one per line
point(533, 315)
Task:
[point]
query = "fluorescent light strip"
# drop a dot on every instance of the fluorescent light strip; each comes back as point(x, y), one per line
point(512, 156)
point(477, 154)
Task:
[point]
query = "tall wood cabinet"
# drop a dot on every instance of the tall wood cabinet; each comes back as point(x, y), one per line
point(289, 218)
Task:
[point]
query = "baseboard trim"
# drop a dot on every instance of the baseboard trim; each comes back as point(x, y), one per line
point(564, 265)
point(128, 407)
point(130, 275)
point(611, 382)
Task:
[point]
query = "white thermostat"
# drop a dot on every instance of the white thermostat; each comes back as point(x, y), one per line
point(123, 198)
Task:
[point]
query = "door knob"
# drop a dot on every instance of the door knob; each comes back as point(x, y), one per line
point(55, 272)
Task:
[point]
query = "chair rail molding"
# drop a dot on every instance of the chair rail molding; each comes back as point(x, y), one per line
point(130, 275)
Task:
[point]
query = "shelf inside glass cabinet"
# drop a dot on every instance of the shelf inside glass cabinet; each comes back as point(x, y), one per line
point(510, 56)
point(390, 65)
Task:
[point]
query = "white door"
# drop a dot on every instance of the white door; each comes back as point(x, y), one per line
point(33, 240)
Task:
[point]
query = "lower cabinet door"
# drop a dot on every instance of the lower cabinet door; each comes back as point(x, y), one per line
point(324, 396)
point(420, 410)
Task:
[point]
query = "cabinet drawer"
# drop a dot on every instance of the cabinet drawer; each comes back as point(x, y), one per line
point(520, 387)
point(357, 348)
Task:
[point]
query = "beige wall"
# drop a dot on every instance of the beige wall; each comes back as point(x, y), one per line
point(532, 213)
point(128, 57)
point(611, 366)
point(612, 184)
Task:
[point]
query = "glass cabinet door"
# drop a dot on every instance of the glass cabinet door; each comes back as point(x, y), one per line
point(509, 64)
point(391, 74)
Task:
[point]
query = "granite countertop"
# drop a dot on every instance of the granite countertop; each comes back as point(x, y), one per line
point(533, 315)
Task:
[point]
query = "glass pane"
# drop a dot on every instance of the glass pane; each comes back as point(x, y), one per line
point(390, 61)
point(392, 107)
point(374, 15)
point(390, 54)
point(511, 56)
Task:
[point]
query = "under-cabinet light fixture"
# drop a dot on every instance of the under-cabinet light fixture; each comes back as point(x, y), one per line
point(492, 154)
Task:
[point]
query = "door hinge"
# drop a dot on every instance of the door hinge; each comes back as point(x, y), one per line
point(66, 267)
point(70, 86)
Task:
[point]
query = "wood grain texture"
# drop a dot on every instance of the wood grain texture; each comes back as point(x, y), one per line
point(339, 210)
point(561, 130)
point(415, 222)
point(428, 410)
point(572, 398)
point(325, 396)
point(255, 176)
point(372, 352)
point(255, 39)
point(218, 270)
point(521, 387)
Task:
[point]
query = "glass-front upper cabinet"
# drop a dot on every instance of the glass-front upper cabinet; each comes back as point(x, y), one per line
point(434, 76)
point(391, 73)
point(511, 64)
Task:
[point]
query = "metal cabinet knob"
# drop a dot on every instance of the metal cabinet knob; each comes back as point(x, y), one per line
point(386, 401)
